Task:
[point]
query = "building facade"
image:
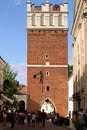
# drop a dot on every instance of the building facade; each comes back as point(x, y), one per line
point(79, 33)
point(47, 57)
point(22, 98)
point(2, 65)
point(70, 93)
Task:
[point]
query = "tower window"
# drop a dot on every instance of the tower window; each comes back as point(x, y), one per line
point(47, 73)
point(46, 56)
point(42, 20)
point(51, 20)
point(48, 88)
point(33, 20)
point(60, 20)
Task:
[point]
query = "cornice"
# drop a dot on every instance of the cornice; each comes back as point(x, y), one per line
point(47, 29)
point(54, 66)
point(77, 18)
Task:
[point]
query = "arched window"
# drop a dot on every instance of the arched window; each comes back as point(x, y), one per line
point(60, 20)
point(33, 20)
point(42, 19)
point(51, 20)
point(21, 106)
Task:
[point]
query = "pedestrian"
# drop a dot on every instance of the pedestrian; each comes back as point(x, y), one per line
point(4, 117)
point(23, 117)
point(12, 119)
point(33, 118)
point(69, 114)
point(85, 117)
point(28, 118)
point(43, 114)
point(80, 114)
point(39, 118)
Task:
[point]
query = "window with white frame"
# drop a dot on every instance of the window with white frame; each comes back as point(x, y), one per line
point(46, 56)
point(47, 73)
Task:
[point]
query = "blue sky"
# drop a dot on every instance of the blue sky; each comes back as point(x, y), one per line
point(13, 36)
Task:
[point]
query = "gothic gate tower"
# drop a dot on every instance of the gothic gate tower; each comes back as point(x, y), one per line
point(47, 57)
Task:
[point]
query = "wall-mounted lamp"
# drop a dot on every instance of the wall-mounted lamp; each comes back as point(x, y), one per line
point(41, 77)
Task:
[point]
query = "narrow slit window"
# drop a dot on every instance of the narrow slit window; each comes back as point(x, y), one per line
point(48, 88)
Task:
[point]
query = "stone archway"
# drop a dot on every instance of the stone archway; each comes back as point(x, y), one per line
point(48, 106)
point(21, 106)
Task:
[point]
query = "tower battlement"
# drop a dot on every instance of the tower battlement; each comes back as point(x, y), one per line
point(47, 16)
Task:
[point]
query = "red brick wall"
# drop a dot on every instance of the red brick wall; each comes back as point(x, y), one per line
point(53, 43)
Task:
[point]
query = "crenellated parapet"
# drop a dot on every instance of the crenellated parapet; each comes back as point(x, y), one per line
point(47, 16)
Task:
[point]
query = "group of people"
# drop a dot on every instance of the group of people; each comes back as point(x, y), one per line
point(5, 116)
point(81, 115)
point(24, 117)
point(38, 118)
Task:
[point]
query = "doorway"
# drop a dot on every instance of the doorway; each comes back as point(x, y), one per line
point(21, 106)
point(48, 106)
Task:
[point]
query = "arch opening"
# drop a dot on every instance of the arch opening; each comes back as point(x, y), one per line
point(48, 106)
point(21, 106)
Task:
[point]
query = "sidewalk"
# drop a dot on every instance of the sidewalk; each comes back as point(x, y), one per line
point(71, 126)
point(2, 126)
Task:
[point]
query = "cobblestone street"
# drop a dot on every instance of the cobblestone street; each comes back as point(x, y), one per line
point(48, 126)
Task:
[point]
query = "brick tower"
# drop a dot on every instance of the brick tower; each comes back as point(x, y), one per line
point(47, 57)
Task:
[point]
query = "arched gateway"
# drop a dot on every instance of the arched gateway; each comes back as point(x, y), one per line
point(48, 106)
point(21, 106)
point(47, 57)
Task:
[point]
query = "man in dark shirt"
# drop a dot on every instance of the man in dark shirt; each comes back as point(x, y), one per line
point(43, 118)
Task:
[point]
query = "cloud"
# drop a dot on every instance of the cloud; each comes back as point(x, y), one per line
point(17, 66)
point(18, 2)
point(70, 62)
point(22, 73)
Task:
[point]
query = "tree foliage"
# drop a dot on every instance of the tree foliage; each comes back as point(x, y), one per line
point(70, 70)
point(10, 84)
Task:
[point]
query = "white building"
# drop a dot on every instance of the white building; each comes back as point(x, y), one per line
point(79, 33)
point(2, 65)
point(22, 98)
point(70, 94)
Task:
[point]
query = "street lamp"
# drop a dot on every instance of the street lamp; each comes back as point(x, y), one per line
point(41, 77)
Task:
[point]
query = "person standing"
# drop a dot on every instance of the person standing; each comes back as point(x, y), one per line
point(4, 117)
point(43, 114)
point(80, 114)
point(12, 119)
point(85, 118)
point(39, 119)
point(33, 118)
point(28, 118)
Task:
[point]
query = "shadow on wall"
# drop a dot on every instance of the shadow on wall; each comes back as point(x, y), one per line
point(33, 106)
point(80, 83)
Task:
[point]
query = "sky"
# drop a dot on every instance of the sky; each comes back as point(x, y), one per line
point(13, 34)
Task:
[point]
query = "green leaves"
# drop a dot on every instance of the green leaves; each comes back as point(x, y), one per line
point(70, 70)
point(10, 85)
